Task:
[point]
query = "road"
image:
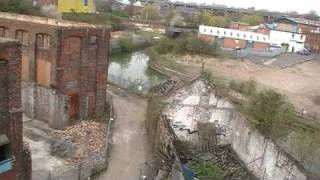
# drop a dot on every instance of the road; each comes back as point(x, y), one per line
point(130, 148)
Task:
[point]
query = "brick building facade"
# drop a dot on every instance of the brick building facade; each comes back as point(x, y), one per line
point(64, 67)
point(12, 151)
point(313, 41)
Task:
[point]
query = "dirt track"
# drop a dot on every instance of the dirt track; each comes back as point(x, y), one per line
point(130, 148)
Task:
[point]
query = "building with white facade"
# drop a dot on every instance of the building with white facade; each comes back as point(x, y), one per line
point(263, 40)
point(293, 41)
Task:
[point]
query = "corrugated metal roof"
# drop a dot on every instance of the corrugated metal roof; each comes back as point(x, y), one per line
point(304, 21)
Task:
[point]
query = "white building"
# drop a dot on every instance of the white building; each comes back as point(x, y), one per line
point(294, 41)
point(233, 33)
point(276, 39)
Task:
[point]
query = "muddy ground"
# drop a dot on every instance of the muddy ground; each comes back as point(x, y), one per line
point(130, 147)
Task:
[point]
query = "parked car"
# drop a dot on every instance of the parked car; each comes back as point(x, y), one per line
point(304, 52)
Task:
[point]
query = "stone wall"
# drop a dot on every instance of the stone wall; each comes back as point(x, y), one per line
point(45, 104)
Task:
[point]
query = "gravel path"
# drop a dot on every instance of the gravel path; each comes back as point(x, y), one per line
point(130, 148)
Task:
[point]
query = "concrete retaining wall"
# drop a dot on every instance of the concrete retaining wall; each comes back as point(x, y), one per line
point(261, 155)
point(45, 104)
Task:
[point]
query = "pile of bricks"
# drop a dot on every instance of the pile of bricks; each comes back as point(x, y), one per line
point(88, 137)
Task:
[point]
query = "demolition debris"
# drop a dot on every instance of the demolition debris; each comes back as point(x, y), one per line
point(86, 139)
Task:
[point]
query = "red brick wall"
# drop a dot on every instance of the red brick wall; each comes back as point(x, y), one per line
point(30, 51)
point(12, 121)
point(307, 28)
point(313, 41)
point(261, 46)
point(84, 74)
point(232, 43)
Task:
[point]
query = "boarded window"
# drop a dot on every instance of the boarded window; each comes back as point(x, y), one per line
point(43, 41)
point(93, 40)
point(23, 37)
point(25, 68)
point(2, 32)
point(43, 72)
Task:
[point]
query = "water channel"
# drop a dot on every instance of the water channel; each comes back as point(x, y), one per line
point(132, 72)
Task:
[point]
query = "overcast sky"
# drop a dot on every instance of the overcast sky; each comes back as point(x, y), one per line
point(301, 6)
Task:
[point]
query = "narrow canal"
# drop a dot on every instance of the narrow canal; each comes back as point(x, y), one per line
point(132, 72)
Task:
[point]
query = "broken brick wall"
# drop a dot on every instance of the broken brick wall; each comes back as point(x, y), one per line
point(84, 80)
point(70, 60)
point(10, 99)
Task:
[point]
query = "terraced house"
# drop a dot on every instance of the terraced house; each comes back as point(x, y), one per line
point(64, 67)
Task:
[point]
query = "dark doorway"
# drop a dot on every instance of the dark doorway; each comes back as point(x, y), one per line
point(4, 152)
point(74, 107)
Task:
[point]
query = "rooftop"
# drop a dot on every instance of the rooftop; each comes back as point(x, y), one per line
point(46, 21)
point(303, 21)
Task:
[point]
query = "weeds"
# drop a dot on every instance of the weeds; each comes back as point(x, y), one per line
point(189, 43)
point(207, 171)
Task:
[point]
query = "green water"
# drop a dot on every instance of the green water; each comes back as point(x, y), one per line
point(133, 68)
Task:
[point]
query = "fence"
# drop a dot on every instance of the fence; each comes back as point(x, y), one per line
point(136, 86)
point(82, 170)
point(246, 53)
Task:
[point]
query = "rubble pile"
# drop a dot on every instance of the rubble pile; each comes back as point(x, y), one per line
point(87, 137)
point(164, 88)
point(225, 158)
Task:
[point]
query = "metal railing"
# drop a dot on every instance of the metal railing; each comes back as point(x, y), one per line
point(82, 170)
point(135, 86)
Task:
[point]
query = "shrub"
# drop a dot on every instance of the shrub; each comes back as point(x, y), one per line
point(126, 45)
point(102, 18)
point(118, 13)
point(252, 20)
point(269, 111)
point(188, 43)
point(245, 88)
point(165, 45)
point(19, 6)
point(207, 171)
